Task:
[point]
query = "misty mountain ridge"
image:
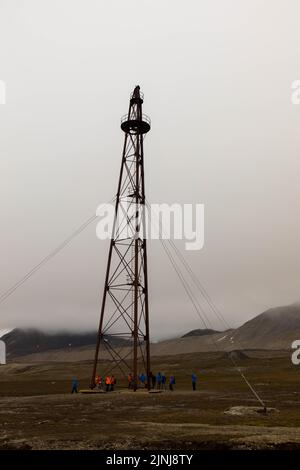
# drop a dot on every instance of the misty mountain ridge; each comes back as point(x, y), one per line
point(20, 342)
point(274, 329)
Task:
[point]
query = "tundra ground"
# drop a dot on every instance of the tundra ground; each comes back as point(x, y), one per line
point(37, 410)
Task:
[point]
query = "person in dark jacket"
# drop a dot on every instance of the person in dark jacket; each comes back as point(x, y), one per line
point(112, 383)
point(153, 380)
point(171, 382)
point(130, 380)
point(163, 381)
point(150, 378)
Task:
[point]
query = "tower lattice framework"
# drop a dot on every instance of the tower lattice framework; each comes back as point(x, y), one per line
point(124, 319)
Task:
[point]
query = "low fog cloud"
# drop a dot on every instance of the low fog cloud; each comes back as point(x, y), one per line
point(217, 81)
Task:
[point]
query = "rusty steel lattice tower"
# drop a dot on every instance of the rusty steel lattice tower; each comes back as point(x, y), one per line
point(124, 318)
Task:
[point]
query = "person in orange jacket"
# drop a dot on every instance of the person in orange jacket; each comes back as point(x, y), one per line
point(107, 383)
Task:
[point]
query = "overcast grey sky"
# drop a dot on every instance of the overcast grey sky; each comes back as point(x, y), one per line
point(217, 77)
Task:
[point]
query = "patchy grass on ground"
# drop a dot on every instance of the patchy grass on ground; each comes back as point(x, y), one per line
point(37, 410)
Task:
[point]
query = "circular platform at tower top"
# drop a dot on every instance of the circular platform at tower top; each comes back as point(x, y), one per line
point(135, 126)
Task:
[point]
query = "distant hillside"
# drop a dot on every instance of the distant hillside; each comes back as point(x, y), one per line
point(200, 332)
point(275, 328)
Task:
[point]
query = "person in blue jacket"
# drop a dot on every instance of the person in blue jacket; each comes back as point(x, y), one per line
point(158, 380)
point(74, 386)
point(194, 380)
point(142, 378)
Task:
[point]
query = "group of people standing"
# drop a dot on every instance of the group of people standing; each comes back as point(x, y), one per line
point(142, 378)
point(108, 384)
point(157, 381)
